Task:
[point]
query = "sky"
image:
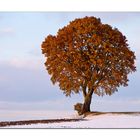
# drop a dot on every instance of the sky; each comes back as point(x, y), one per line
point(24, 82)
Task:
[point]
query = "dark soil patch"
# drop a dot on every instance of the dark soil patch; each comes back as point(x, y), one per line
point(29, 122)
point(117, 113)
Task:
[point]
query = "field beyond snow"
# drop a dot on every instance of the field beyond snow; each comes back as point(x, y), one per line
point(92, 120)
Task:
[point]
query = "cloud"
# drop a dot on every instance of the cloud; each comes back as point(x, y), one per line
point(64, 104)
point(2, 78)
point(57, 104)
point(26, 84)
point(8, 31)
point(116, 105)
point(24, 63)
point(36, 52)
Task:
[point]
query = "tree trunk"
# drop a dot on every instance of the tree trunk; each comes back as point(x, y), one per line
point(87, 102)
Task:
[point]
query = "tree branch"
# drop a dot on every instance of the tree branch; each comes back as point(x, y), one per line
point(84, 87)
point(91, 91)
point(84, 91)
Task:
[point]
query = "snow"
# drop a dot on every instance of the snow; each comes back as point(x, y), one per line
point(94, 121)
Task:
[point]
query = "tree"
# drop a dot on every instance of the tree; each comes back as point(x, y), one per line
point(89, 57)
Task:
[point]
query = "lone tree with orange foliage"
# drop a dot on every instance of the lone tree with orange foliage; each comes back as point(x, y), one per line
point(90, 57)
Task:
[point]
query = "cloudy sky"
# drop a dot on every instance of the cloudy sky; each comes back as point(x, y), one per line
point(24, 82)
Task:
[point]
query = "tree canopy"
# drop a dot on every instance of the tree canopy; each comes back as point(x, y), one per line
point(88, 56)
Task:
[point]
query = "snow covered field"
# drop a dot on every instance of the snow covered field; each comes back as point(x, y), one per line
point(108, 120)
point(13, 115)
